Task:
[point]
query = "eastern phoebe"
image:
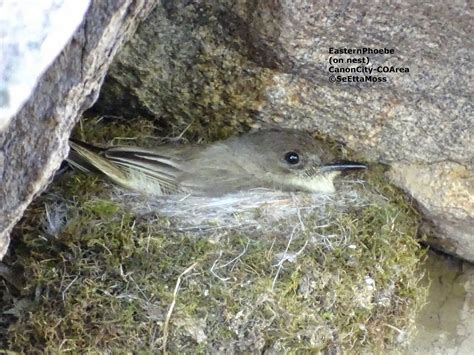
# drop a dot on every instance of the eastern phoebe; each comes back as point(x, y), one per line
point(282, 159)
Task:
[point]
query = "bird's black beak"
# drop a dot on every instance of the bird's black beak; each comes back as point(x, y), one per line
point(343, 165)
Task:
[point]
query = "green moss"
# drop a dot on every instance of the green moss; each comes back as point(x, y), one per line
point(138, 131)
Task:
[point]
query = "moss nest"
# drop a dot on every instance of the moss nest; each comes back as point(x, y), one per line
point(98, 269)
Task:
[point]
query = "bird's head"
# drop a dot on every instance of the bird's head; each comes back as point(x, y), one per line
point(292, 159)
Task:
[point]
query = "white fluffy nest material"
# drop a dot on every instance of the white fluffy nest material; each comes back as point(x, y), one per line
point(258, 209)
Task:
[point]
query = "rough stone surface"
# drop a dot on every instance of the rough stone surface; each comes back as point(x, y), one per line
point(445, 325)
point(34, 143)
point(31, 36)
point(444, 193)
point(231, 65)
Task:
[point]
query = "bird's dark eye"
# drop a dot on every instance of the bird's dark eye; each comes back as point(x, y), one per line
point(292, 158)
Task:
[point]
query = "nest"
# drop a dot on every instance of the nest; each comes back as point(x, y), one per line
point(110, 270)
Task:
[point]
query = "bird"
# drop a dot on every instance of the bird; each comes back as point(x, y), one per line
point(279, 159)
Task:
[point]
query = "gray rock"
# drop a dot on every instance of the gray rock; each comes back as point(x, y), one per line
point(444, 193)
point(34, 142)
point(227, 65)
point(32, 36)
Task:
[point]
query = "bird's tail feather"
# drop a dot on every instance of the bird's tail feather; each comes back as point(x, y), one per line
point(88, 158)
point(135, 168)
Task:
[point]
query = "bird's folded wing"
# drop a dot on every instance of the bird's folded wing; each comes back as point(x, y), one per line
point(147, 167)
point(135, 168)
